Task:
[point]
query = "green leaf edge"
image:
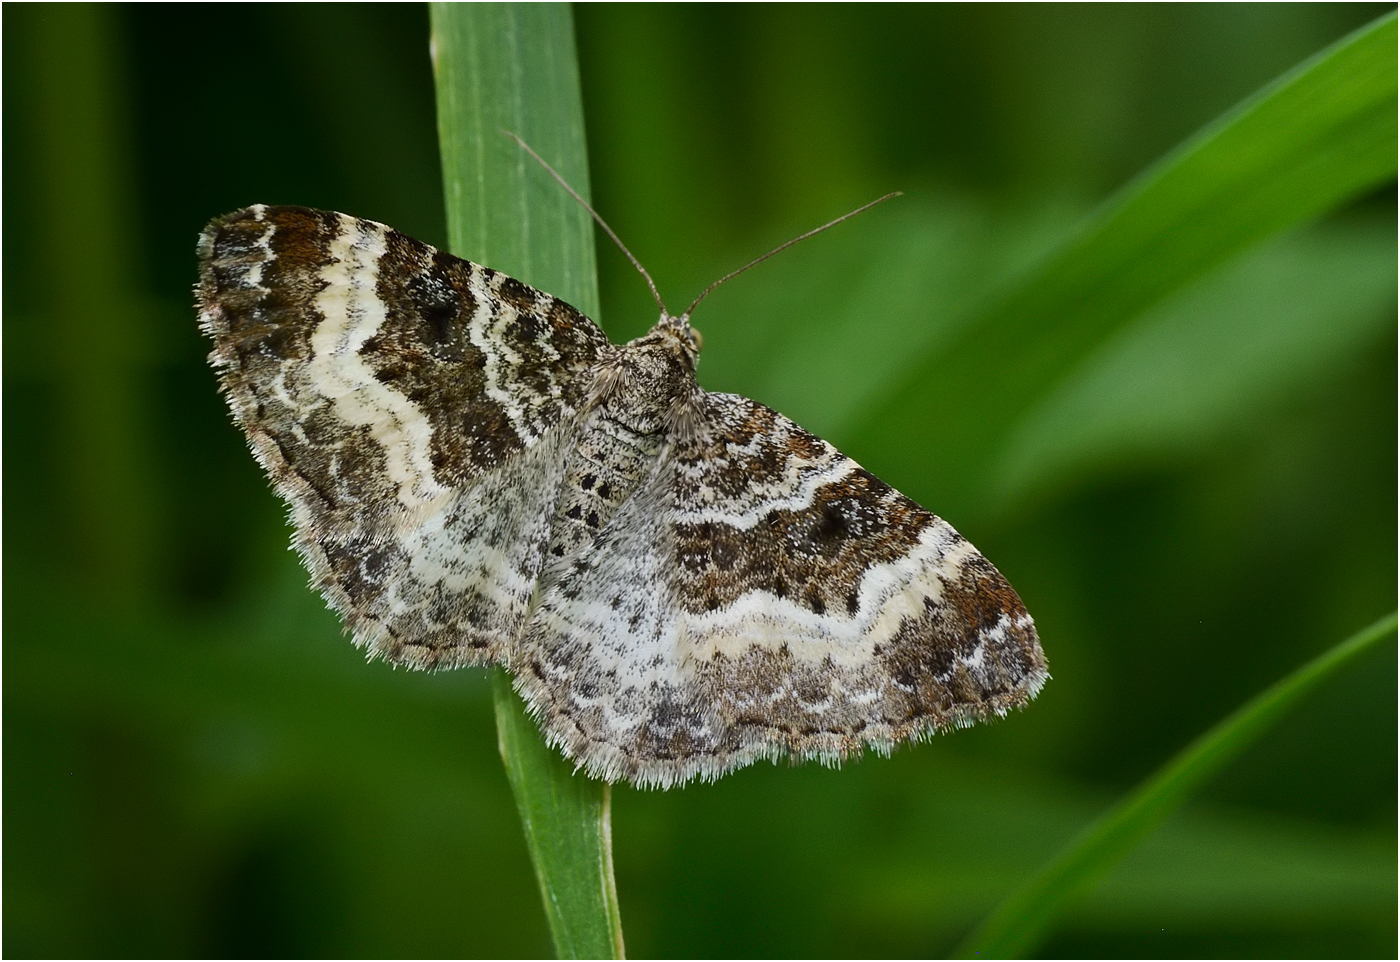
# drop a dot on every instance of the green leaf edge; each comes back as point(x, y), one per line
point(514, 67)
point(1024, 918)
point(1329, 132)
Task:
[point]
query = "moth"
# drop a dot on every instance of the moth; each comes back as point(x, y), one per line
point(681, 582)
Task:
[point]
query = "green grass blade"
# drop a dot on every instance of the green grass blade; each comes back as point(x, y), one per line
point(1018, 924)
point(566, 818)
point(1191, 370)
point(1322, 134)
point(513, 67)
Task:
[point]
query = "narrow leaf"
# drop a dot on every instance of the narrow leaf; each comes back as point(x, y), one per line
point(1020, 922)
point(1211, 358)
point(512, 67)
point(1320, 135)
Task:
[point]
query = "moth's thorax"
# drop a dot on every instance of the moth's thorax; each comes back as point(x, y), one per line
point(648, 386)
point(624, 433)
point(646, 400)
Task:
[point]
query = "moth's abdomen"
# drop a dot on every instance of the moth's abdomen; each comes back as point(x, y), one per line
point(605, 468)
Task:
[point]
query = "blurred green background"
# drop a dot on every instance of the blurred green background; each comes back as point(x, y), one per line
point(195, 763)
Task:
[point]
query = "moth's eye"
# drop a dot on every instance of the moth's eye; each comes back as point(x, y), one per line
point(696, 339)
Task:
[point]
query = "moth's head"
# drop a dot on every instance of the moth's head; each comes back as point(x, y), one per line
point(679, 328)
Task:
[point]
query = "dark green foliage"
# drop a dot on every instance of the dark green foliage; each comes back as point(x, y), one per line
point(196, 764)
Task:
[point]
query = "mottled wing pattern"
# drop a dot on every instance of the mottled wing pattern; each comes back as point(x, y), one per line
point(601, 663)
point(826, 610)
point(414, 409)
point(762, 595)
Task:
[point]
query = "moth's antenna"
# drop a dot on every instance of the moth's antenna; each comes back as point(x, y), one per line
point(782, 247)
point(601, 223)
